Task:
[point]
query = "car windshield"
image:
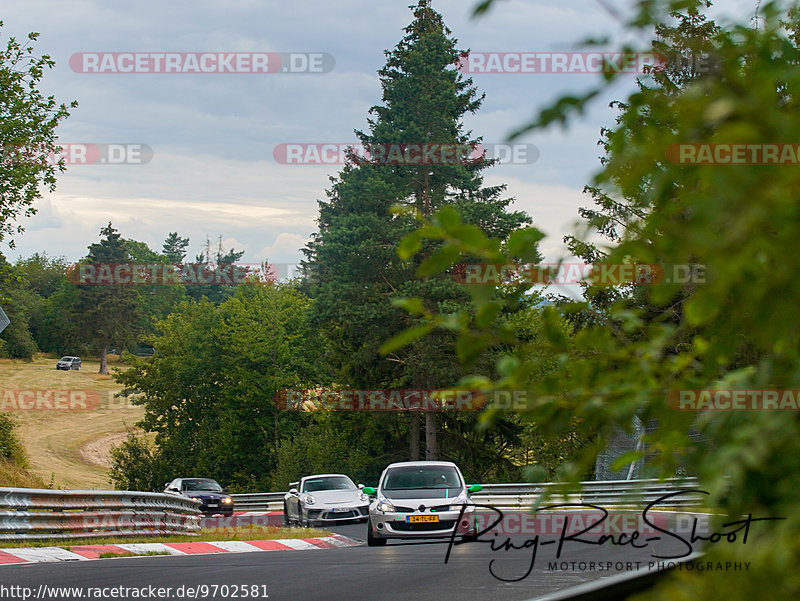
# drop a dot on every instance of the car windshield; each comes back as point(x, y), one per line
point(427, 481)
point(65, 359)
point(202, 484)
point(328, 483)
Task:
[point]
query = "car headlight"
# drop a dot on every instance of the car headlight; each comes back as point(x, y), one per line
point(384, 506)
point(227, 500)
point(459, 501)
point(309, 500)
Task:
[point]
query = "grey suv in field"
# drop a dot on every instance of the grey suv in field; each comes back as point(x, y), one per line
point(69, 363)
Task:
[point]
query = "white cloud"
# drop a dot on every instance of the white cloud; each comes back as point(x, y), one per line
point(284, 249)
point(213, 172)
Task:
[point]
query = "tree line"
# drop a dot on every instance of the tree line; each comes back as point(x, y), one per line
point(52, 312)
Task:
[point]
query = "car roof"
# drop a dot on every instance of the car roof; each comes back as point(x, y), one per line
point(420, 464)
point(323, 475)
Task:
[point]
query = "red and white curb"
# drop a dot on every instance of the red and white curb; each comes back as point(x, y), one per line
point(84, 552)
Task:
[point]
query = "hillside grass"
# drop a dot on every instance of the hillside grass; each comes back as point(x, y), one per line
point(67, 448)
point(17, 476)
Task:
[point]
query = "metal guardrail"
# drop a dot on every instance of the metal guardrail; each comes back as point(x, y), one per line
point(41, 514)
point(260, 501)
point(608, 493)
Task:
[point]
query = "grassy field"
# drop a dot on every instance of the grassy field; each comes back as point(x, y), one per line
point(68, 447)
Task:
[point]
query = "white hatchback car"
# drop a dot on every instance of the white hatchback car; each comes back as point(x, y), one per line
point(421, 499)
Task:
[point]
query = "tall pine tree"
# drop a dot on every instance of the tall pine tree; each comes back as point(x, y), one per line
point(352, 267)
point(174, 248)
point(108, 314)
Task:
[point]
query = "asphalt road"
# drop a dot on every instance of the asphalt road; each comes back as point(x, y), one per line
point(399, 571)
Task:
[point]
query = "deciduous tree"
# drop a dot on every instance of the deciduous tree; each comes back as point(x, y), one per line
point(28, 134)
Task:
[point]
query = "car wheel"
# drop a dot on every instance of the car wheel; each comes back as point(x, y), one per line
point(286, 522)
point(373, 541)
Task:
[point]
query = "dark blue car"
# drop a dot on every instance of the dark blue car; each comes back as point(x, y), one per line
point(214, 499)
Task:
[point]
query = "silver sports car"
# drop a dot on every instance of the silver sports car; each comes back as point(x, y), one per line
point(324, 499)
point(421, 499)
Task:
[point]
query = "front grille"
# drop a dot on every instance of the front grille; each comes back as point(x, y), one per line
point(399, 509)
point(207, 500)
point(423, 526)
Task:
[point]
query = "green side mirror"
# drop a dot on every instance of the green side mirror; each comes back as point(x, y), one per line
point(475, 488)
point(368, 490)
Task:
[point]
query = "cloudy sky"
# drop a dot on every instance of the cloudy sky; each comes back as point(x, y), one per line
point(212, 135)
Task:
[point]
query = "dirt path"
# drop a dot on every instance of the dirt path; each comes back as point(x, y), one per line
point(97, 452)
point(68, 441)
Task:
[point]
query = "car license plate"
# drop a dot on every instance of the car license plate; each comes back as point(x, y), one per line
point(334, 510)
point(213, 504)
point(417, 519)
